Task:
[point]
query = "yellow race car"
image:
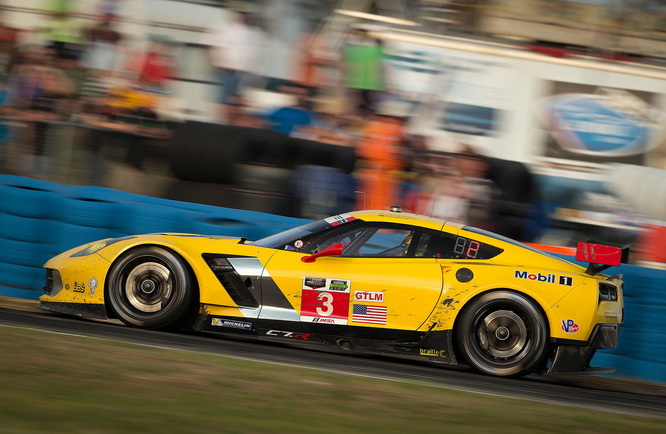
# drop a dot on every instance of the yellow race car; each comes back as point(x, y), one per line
point(374, 281)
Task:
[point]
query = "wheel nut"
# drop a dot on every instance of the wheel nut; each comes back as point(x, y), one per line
point(502, 333)
point(148, 286)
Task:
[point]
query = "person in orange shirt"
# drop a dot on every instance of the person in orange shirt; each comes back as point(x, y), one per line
point(313, 63)
point(380, 152)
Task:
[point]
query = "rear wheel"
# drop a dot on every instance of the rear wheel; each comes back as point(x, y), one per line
point(150, 287)
point(503, 333)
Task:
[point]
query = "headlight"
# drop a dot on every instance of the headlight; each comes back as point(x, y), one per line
point(53, 282)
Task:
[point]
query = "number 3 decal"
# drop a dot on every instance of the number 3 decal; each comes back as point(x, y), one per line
point(326, 299)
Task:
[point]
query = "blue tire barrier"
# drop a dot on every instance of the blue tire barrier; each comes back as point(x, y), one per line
point(145, 218)
point(651, 345)
point(646, 316)
point(14, 227)
point(22, 277)
point(93, 212)
point(29, 199)
point(23, 253)
point(96, 207)
point(222, 226)
point(70, 235)
point(647, 370)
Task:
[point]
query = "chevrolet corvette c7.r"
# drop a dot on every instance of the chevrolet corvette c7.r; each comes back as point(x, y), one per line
point(383, 282)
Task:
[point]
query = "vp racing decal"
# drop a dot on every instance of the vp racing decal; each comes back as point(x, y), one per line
point(569, 326)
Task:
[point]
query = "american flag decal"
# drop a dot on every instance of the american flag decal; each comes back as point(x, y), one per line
point(369, 314)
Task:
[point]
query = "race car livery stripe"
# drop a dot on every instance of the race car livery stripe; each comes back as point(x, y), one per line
point(274, 303)
point(251, 287)
point(278, 313)
point(247, 266)
point(249, 312)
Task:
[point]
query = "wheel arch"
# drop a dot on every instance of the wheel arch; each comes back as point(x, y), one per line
point(458, 352)
point(468, 302)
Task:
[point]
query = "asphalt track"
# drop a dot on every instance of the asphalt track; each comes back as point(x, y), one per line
point(601, 393)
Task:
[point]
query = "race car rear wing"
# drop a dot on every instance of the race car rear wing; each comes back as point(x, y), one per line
point(601, 255)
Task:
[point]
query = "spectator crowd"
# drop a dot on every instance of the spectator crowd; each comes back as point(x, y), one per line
point(94, 76)
point(343, 98)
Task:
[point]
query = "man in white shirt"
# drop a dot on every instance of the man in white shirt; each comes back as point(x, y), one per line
point(233, 47)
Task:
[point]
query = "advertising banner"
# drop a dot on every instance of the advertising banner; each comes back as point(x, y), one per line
point(600, 124)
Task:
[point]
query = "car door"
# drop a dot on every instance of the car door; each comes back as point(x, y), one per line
point(383, 281)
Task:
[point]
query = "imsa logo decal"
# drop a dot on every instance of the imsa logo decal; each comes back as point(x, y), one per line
point(547, 278)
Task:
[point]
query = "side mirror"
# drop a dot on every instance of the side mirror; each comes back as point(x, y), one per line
point(332, 250)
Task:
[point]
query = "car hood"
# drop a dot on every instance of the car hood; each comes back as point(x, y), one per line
point(231, 239)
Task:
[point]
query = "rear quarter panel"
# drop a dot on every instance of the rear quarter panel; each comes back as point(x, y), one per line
point(560, 288)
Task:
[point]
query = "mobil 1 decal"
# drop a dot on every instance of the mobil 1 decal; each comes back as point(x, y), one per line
point(546, 278)
point(325, 300)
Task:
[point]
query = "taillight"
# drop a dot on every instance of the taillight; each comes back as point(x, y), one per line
point(607, 292)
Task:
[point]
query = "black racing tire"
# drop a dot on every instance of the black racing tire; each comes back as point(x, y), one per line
point(502, 333)
point(151, 287)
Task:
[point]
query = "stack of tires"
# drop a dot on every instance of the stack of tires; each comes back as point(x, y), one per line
point(245, 168)
point(29, 232)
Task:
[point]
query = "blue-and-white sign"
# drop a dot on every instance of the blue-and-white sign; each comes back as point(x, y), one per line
point(614, 124)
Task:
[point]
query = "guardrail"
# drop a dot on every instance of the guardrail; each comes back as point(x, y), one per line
point(39, 219)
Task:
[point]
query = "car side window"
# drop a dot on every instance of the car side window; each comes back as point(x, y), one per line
point(389, 240)
point(346, 235)
point(364, 239)
point(387, 243)
point(392, 240)
point(441, 245)
point(422, 245)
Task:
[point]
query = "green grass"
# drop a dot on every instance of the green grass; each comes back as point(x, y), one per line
point(60, 383)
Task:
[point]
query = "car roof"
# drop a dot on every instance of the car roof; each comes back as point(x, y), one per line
point(403, 218)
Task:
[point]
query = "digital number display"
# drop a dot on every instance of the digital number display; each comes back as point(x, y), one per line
point(466, 248)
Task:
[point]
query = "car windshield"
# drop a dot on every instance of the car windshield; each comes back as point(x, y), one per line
point(280, 240)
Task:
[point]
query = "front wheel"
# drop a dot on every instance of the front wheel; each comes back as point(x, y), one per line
point(503, 333)
point(150, 287)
